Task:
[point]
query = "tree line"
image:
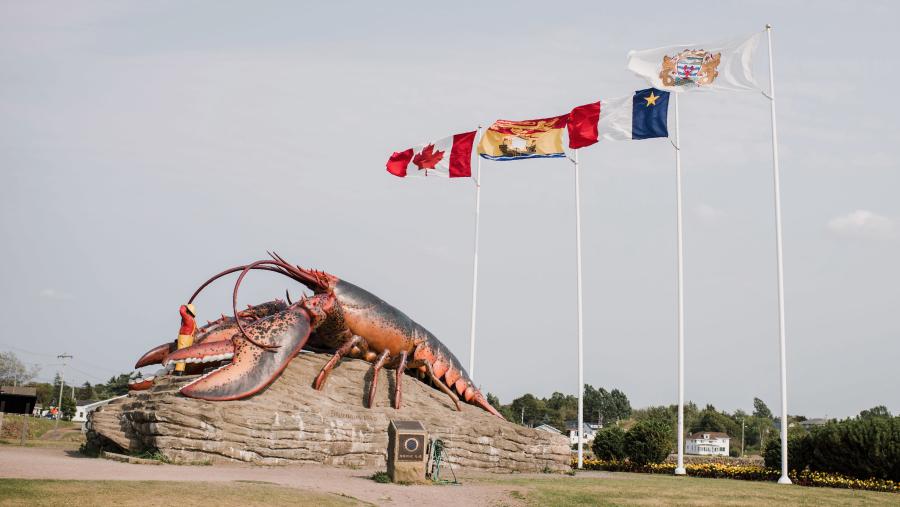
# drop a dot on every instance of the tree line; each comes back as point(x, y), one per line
point(600, 406)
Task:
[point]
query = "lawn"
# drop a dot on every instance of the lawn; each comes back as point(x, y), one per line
point(41, 432)
point(37, 426)
point(15, 492)
point(585, 489)
point(646, 489)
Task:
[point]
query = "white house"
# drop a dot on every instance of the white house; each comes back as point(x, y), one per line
point(590, 430)
point(86, 407)
point(707, 443)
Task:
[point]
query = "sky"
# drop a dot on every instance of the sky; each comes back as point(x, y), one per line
point(145, 146)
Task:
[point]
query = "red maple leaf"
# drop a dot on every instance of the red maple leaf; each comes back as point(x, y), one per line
point(428, 158)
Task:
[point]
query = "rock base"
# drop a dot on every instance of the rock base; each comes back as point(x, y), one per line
point(290, 422)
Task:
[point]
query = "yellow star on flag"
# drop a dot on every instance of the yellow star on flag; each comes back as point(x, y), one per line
point(651, 99)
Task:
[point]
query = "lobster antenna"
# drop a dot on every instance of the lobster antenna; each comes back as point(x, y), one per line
point(258, 264)
point(229, 271)
point(277, 266)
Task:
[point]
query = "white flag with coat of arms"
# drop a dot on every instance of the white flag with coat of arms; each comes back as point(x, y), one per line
point(685, 67)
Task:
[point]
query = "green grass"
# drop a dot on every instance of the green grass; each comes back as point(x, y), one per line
point(646, 489)
point(37, 427)
point(52, 444)
point(381, 477)
point(22, 492)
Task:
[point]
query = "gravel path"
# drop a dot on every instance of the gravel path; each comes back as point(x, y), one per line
point(42, 463)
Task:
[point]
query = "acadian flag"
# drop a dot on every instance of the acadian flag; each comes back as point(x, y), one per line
point(643, 115)
point(447, 157)
point(516, 140)
point(718, 66)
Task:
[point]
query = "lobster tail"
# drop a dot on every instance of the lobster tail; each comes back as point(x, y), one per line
point(480, 401)
point(448, 370)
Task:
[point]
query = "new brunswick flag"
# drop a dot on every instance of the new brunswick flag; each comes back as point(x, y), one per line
point(515, 140)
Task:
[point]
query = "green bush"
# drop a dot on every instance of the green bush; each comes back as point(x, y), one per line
point(609, 444)
point(863, 448)
point(381, 477)
point(860, 448)
point(799, 448)
point(648, 442)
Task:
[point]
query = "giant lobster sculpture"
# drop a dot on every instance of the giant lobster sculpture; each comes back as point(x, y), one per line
point(339, 317)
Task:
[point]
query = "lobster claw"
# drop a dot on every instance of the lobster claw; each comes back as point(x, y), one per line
point(156, 355)
point(252, 368)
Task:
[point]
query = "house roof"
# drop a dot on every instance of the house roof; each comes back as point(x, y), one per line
point(93, 403)
point(548, 428)
point(573, 426)
point(712, 434)
point(18, 391)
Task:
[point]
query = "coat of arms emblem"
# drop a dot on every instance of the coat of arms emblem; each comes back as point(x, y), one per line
point(691, 67)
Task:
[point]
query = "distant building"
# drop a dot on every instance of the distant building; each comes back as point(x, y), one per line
point(707, 443)
point(590, 431)
point(812, 423)
point(17, 400)
point(83, 408)
point(548, 429)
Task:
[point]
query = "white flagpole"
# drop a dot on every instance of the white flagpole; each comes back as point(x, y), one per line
point(784, 479)
point(475, 266)
point(580, 326)
point(679, 289)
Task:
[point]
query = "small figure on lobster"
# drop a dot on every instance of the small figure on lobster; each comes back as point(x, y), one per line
point(338, 317)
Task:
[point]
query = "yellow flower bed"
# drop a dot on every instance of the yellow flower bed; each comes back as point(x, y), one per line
point(745, 472)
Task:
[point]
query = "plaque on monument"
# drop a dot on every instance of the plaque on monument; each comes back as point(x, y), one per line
point(406, 451)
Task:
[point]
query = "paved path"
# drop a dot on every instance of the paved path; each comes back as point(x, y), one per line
point(42, 463)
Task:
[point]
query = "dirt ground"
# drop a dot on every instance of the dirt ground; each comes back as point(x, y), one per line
point(47, 463)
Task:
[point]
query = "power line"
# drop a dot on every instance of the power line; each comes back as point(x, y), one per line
point(86, 373)
point(29, 351)
point(82, 361)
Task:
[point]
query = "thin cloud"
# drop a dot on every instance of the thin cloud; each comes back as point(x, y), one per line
point(709, 214)
point(55, 294)
point(863, 224)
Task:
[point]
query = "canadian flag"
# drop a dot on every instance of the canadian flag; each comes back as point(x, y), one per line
point(448, 157)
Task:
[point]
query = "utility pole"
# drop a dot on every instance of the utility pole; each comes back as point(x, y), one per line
point(523, 415)
point(62, 383)
point(742, 437)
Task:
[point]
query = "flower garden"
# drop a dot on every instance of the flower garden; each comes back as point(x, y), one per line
point(747, 473)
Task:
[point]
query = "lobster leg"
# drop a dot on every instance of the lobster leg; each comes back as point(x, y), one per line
point(437, 382)
point(378, 364)
point(398, 393)
point(341, 352)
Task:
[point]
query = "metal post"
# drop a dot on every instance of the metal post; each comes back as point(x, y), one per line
point(742, 437)
point(62, 383)
point(475, 267)
point(784, 479)
point(679, 290)
point(580, 323)
point(24, 434)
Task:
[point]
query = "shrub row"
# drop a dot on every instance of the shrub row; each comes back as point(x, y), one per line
point(745, 472)
point(853, 447)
